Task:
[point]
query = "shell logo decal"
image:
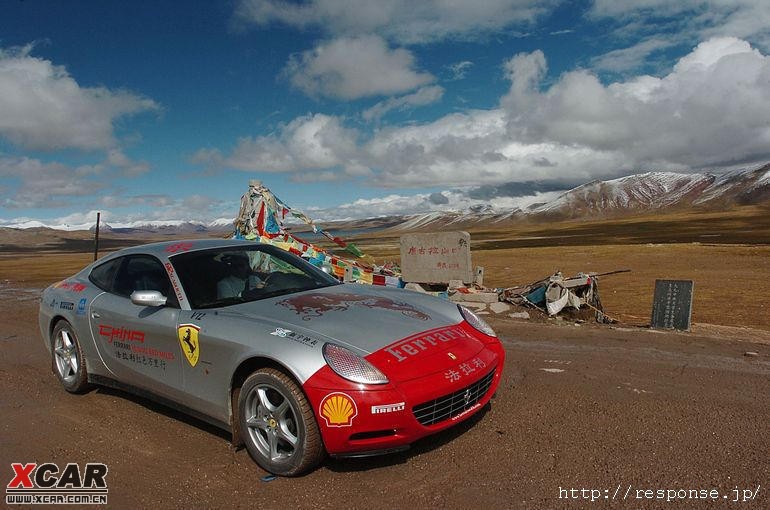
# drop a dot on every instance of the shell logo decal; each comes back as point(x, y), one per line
point(338, 409)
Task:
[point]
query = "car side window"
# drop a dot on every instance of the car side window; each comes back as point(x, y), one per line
point(143, 272)
point(103, 276)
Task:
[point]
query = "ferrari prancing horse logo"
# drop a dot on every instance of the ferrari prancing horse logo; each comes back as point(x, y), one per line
point(188, 339)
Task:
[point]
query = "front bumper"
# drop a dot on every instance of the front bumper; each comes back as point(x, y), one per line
point(386, 418)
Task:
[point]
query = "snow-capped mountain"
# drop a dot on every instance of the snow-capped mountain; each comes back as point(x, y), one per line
point(633, 194)
point(154, 227)
point(660, 190)
point(626, 195)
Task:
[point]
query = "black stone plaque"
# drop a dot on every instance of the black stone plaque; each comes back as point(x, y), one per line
point(672, 304)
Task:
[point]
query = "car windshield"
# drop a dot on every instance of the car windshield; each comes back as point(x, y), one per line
point(239, 274)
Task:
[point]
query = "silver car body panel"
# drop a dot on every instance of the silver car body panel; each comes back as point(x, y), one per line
point(289, 330)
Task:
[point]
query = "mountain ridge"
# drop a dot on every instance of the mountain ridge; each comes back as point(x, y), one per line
point(627, 195)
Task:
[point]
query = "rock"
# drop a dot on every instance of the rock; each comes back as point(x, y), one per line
point(499, 307)
point(519, 315)
point(454, 284)
point(482, 313)
point(415, 287)
point(751, 354)
point(475, 297)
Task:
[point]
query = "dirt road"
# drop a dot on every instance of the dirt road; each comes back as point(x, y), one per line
point(615, 412)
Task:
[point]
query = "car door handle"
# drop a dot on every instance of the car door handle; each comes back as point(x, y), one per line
point(95, 315)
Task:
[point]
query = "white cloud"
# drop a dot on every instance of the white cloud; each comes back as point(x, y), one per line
point(455, 200)
point(44, 108)
point(44, 185)
point(306, 143)
point(460, 69)
point(630, 58)
point(424, 96)
point(130, 168)
point(403, 21)
point(711, 111)
point(698, 19)
point(351, 68)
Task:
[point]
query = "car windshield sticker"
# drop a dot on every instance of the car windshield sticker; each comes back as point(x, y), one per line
point(313, 305)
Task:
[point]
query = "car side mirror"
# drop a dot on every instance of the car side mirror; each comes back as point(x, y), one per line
point(148, 298)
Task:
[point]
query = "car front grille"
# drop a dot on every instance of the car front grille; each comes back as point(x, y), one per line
point(449, 406)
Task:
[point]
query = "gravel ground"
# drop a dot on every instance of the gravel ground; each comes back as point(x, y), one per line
point(615, 412)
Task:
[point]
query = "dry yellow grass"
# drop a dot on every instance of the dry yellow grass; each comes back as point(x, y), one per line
point(730, 279)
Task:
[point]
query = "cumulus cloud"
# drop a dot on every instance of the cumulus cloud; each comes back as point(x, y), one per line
point(424, 96)
point(438, 199)
point(711, 111)
point(45, 185)
point(397, 20)
point(129, 167)
point(44, 108)
point(306, 143)
point(655, 25)
point(355, 67)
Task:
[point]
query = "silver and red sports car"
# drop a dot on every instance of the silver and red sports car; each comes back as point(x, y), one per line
point(263, 344)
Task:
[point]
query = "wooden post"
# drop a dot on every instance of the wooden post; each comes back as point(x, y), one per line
point(96, 237)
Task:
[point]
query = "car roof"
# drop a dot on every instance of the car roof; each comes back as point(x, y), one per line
point(167, 249)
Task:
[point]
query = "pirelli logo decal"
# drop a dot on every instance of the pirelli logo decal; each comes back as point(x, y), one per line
point(388, 408)
point(412, 346)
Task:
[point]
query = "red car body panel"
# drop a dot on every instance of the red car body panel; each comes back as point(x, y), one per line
point(358, 418)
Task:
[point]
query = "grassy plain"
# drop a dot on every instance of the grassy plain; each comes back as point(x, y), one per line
point(726, 254)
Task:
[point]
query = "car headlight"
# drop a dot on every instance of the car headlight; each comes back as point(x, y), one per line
point(476, 321)
point(351, 366)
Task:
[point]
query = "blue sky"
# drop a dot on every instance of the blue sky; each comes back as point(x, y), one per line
point(165, 110)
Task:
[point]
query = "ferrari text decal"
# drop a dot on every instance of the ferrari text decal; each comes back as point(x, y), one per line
point(188, 340)
point(338, 410)
point(415, 345)
point(313, 305)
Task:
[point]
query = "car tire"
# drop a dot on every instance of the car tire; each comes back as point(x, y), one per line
point(278, 424)
point(67, 358)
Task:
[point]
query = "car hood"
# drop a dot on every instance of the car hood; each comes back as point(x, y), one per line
point(364, 318)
